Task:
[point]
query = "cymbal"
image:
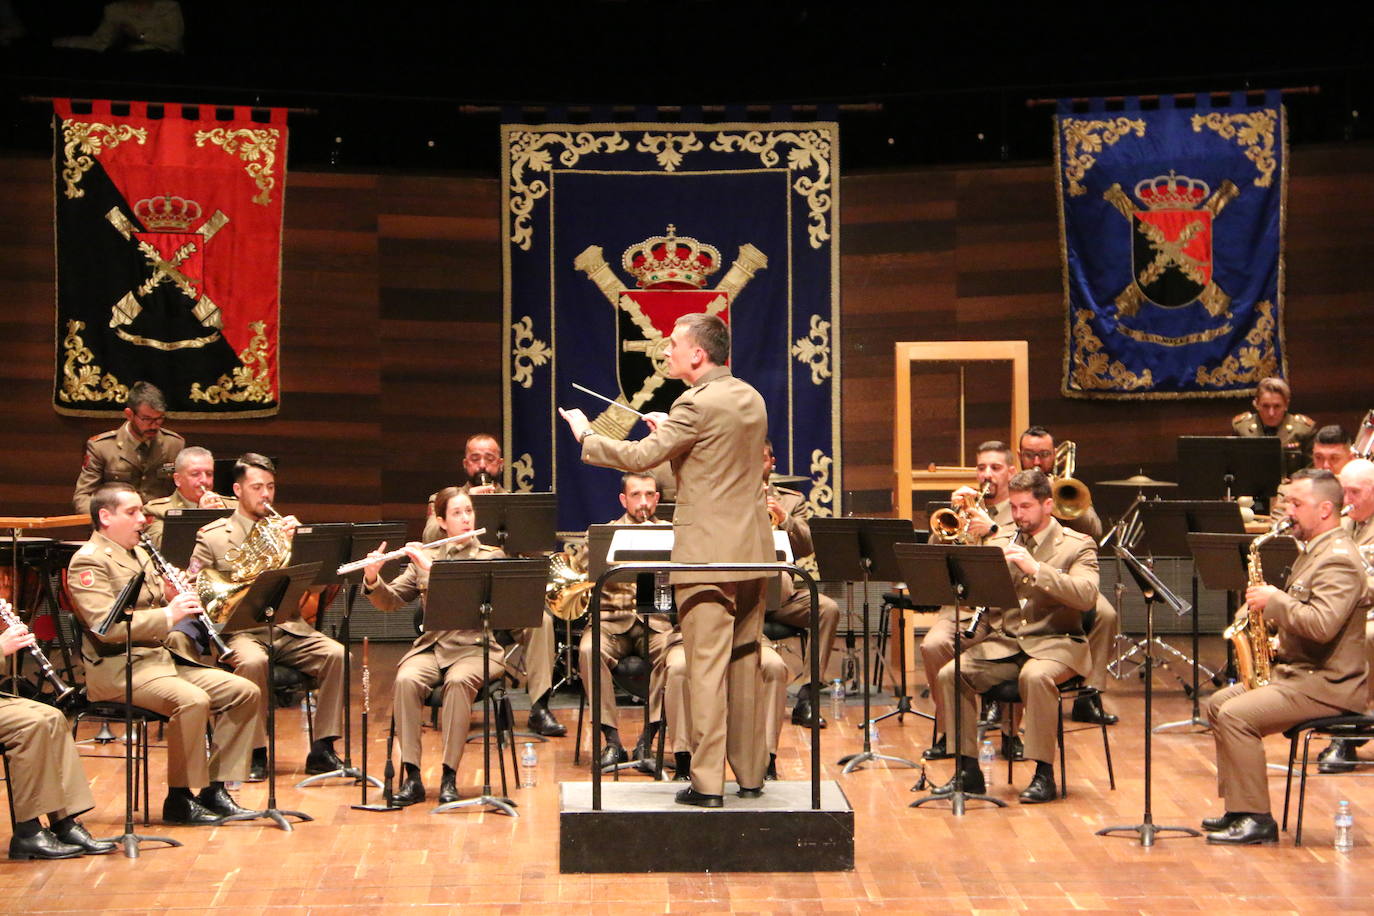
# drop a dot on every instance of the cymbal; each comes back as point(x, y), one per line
point(1137, 480)
point(787, 478)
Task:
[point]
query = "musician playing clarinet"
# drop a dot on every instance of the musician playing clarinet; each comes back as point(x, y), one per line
point(452, 658)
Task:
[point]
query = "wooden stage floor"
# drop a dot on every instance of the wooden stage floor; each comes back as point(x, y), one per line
point(1032, 859)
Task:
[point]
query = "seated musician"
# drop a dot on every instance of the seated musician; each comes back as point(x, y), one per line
point(482, 463)
point(1037, 451)
point(1331, 449)
point(1319, 667)
point(623, 632)
point(190, 693)
point(193, 472)
point(298, 644)
point(993, 460)
point(788, 511)
point(46, 776)
point(1039, 644)
point(1270, 417)
point(449, 657)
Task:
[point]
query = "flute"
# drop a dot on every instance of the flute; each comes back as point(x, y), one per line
point(64, 693)
point(365, 562)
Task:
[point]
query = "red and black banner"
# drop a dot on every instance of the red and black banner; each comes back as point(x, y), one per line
point(169, 226)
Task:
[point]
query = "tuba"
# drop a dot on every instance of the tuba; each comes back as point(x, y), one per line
point(1250, 635)
point(266, 547)
point(1071, 496)
point(567, 594)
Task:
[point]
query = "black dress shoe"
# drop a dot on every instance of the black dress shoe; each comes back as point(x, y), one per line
point(543, 723)
point(257, 768)
point(1338, 757)
point(1220, 823)
point(1088, 708)
point(937, 751)
point(690, 796)
point(772, 772)
point(801, 713)
point(1040, 790)
point(611, 754)
point(217, 799)
point(644, 750)
point(748, 793)
point(322, 760)
point(411, 791)
point(1247, 830)
point(186, 811)
point(74, 834)
point(42, 845)
point(1013, 748)
point(448, 786)
point(973, 785)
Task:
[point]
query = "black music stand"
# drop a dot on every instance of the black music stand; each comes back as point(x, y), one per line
point(1152, 590)
point(520, 523)
point(179, 527)
point(274, 589)
point(1224, 467)
point(964, 576)
point(484, 595)
point(857, 550)
point(903, 707)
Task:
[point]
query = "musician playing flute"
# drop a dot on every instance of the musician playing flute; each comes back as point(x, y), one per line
point(1319, 666)
point(452, 658)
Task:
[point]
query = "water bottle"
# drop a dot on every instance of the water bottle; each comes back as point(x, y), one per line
point(837, 700)
point(663, 592)
point(529, 763)
point(986, 756)
point(1345, 828)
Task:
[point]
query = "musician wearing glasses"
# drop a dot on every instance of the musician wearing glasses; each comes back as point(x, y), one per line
point(451, 658)
point(193, 473)
point(1037, 450)
point(298, 644)
point(1038, 644)
point(482, 463)
point(993, 525)
point(139, 453)
point(1271, 417)
point(191, 694)
point(1319, 666)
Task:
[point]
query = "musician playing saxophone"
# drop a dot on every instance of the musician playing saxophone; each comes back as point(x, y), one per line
point(1319, 666)
point(298, 644)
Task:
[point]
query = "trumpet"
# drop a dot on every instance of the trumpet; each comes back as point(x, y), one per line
point(206, 491)
point(1071, 496)
point(64, 693)
point(950, 526)
point(365, 562)
point(182, 587)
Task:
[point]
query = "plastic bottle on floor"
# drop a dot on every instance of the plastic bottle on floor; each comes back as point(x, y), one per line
point(837, 701)
point(986, 756)
point(1345, 827)
point(529, 765)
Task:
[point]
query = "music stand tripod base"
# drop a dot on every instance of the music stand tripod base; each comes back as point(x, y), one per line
point(1146, 832)
point(499, 804)
point(352, 773)
point(854, 761)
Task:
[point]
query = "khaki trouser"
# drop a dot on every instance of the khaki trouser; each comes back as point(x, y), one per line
point(192, 699)
point(937, 650)
point(538, 643)
point(614, 647)
point(46, 776)
point(317, 655)
point(796, 612)
point(1240, 719)
point(416, 677)
point(775, 678)
point(1037, 679)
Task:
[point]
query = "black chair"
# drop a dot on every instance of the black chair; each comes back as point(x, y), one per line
point(776, 632)
point(289, 687)
point(1009, 693)
point(114, 711)
point(632, 675)
point(1351, 726)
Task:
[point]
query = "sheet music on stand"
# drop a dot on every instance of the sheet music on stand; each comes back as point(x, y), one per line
point(327, 544)
point(249, 614)
point(518, 523)
point(179, 527)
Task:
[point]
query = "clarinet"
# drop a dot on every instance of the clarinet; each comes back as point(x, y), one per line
point(182, 587)
point(979, 612)
point(64, 693)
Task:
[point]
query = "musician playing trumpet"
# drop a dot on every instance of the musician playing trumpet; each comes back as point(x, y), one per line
point(193, 472)
point(452, 658)
point(1319, 667)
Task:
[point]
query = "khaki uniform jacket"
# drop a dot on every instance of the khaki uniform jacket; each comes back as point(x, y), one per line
point(413, 583)
point(713, 437)
point(1049, 622)
point(434, 529)
point(1295, 430)
point(97, 573)
point(1321, 651)
point(214, 541)
point(1362, 533)
point(618, 597)
point(795, 515)
point(157, 511)
point(114, 455)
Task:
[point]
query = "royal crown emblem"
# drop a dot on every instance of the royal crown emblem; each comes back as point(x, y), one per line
point(671, 262)
point(1172, 192)
point(167, 213)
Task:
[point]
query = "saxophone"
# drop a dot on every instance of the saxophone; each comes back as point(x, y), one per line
point(1250, 635)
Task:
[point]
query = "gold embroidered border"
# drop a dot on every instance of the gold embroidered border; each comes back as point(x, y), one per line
point(527, 352)
point(1081, 141)
point(1163, 341)
point(250, 382)
point(669, 148)
point(1251, 363)
point(523, 469)
point(528, 153)
point(809, 148)
point(814, 350)
point(257, 148)
point(822, 496)
point(1093, 369)
point(82, 381)
point(193, 343)
point(90, 139)
point(1253, 131)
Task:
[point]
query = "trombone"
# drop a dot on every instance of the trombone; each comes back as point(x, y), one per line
point(1071, 496)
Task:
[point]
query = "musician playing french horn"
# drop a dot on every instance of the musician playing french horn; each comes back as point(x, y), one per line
point(452, 658)
point(193, 472)
point(1319, 666)
point(298, 644)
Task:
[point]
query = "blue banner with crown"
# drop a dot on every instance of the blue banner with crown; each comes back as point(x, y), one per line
point(1172, 241)
point(611, 231)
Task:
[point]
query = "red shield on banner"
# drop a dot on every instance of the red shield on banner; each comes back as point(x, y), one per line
point(1172, 254)
point(175, 257)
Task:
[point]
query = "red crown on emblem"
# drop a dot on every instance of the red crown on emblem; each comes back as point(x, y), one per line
point(1172, 192)
point(670, 262)
point(167, 212)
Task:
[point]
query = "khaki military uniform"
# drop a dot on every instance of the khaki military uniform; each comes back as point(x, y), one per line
point(449, 657)
point(297, 644)
point(794, 606)
point(156, 510)
point(1319, 669)
point(46, 776)
point(1039, 644)
point(1362, 533)
point(190, 693)
point(1295, 430)
point(118, 455)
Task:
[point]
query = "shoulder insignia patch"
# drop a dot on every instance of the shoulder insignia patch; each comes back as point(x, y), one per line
point(86, 578)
